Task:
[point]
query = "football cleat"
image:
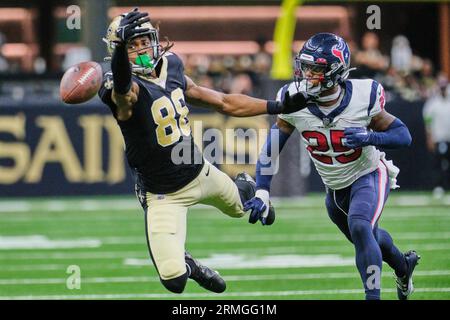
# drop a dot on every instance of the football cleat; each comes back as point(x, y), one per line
point(405, 285)
point(270, 219)
point(204, 276)
point(246, 186)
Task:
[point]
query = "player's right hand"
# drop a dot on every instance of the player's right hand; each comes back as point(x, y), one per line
point(295, 102)
point(128, 25)
point(259, 206)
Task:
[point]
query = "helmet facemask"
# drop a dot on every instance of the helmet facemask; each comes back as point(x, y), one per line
point(328, 76)
point(305, 83)
point(145, 63)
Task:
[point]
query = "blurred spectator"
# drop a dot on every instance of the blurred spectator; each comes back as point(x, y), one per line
point(76, 55)
point(205, 81)
point(401, 54)
point(426, 78)
point(242, 83)
point(436, 114)
point(4, 65)
point(369, 59)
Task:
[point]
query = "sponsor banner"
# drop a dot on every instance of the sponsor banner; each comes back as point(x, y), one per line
point(79, 150)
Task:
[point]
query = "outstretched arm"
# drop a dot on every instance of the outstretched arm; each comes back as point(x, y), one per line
point(125, 92)
point(240, 105)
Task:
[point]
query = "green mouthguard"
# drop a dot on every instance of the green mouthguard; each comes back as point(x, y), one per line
point(144, 61)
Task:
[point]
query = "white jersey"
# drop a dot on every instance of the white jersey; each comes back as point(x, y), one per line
point(436, 113)
point(323, 134)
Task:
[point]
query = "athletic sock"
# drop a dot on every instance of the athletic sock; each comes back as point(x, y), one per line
point(391, 254)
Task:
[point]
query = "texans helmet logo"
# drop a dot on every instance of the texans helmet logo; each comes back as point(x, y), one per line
point(338, 53)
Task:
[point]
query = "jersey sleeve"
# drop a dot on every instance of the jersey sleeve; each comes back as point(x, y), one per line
point(178, 65)
point(181, 71)
point(377, 99)
point(105, 92)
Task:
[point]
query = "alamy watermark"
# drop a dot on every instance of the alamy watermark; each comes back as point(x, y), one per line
point(230, 146)
point(374, 20)
point(73, 21)
point(74, 279)
point(374, 279)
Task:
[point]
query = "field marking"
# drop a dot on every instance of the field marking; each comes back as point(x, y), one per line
point(209, 295)
point(229, 261)
point(231, 278)
point(277, 237)
point(118, 254)
point(42, 242)
point(111, 204)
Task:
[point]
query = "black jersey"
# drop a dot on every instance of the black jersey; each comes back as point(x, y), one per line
point(158, 124)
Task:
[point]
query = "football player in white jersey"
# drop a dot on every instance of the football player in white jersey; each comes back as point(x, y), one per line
point(342, 125)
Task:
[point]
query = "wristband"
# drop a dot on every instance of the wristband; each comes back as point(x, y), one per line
point(274, 107)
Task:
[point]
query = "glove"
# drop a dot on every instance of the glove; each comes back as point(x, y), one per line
point(127, 27)
point(356, 137)
point(259, 205)
point(295, 102)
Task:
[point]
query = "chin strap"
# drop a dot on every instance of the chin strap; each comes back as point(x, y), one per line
point(330, 97)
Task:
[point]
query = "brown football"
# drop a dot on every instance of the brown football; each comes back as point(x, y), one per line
point(81, 82)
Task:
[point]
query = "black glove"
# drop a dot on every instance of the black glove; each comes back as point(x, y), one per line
point(294, 103)
point(288, 104)
point(127, 27)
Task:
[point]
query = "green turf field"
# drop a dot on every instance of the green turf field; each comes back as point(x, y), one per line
point(302, 256)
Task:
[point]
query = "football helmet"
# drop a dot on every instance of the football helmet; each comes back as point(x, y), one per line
point(325, 54)
point(144, 63)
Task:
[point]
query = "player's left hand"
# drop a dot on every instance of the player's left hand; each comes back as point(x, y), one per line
point(129, 24)
point(295, 102)
point(356, 137)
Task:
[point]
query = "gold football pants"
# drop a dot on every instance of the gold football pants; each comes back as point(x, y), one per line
point(166, 216)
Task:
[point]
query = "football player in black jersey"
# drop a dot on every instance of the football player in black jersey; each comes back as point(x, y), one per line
point(147, 92)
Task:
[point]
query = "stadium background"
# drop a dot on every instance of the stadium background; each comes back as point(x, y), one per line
point(50, 150)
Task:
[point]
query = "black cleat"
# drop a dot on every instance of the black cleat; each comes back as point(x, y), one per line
point(204, 276)
point(270, 219)
point(405, 284)
point(246, 186)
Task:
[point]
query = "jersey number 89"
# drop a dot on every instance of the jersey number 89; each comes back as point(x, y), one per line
point(170, 116)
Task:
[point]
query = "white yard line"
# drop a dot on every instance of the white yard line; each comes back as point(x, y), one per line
point(208, 295)
point(111, 204)
point(269, 277)
point(5, 256)
point(277, 237)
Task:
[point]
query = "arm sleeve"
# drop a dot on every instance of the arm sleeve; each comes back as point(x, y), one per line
point(266, 166)
point(377, 99)
point(121, 69)
point(396, 136)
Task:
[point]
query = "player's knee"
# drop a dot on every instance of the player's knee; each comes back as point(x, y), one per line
point(176, 285)
point(359, 228)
